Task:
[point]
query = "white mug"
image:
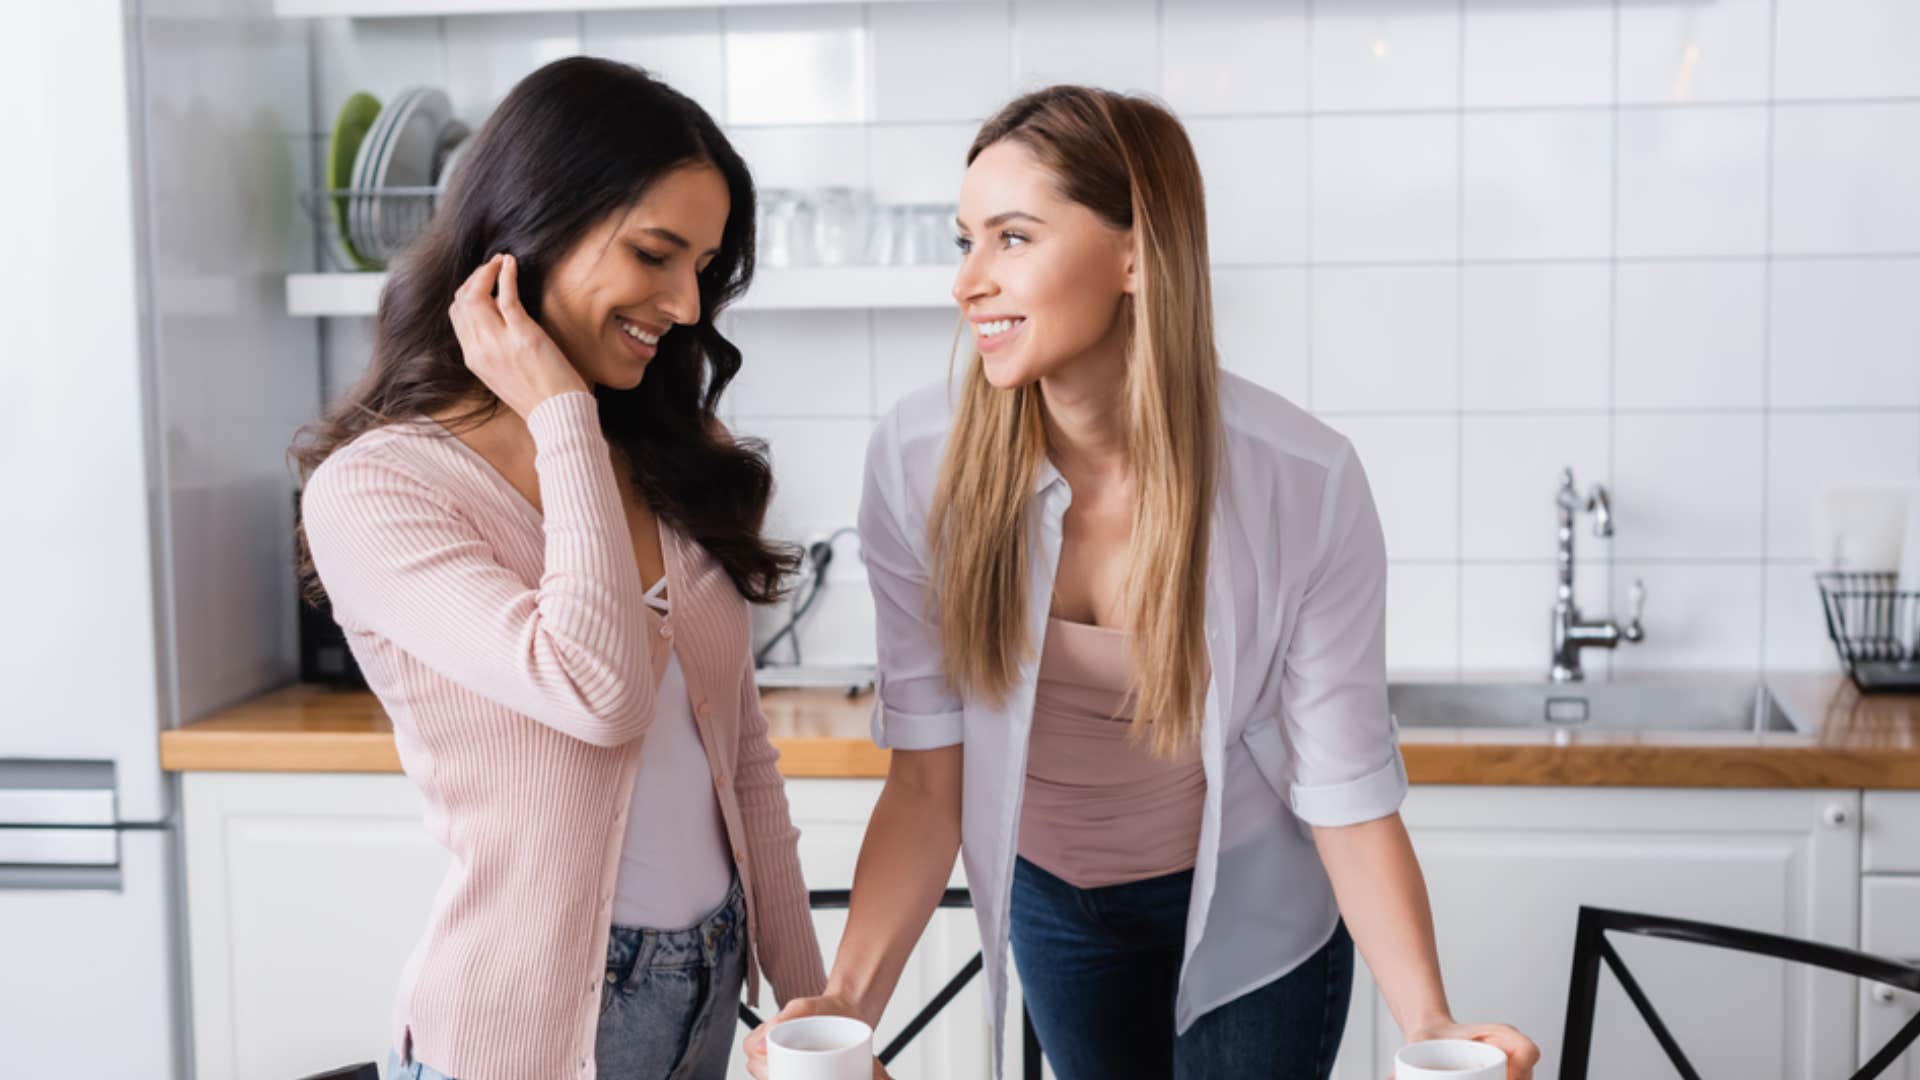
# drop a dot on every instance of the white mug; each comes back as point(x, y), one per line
point(820, 1048)
point(1450, 1059)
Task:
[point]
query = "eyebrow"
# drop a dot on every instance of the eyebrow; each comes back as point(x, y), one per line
point(1000, 219)
point(674, 238)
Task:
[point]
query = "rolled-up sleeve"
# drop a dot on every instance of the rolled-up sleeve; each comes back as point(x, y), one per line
point(914, 707)
point(1345, 749)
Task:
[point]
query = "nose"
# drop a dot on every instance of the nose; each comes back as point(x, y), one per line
point(681, 301)
point(974, 280)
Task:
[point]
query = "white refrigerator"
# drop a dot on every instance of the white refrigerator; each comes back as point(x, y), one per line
point(149, 381)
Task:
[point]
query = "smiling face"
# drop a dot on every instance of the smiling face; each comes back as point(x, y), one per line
point(634, 276)
point(1044, 278)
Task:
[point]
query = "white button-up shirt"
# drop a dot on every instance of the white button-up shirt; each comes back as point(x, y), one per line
point(1297, 730)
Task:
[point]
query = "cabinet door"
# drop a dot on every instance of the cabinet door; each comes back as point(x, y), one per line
point(306, 894)
point(1508, 869)
point(1890, 927)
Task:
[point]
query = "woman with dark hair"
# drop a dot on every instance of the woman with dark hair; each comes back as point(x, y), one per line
point(541, 543)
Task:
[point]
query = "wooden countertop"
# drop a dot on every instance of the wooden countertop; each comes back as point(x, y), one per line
point(1846, 740)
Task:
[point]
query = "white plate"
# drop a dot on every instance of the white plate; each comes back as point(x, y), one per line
point(359, 208)
point(406, 161)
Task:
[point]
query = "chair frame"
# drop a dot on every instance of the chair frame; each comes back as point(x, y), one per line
point(840, 900)
point(1591, 949)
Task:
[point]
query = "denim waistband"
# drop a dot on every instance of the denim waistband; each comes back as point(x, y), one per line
point(630, 948)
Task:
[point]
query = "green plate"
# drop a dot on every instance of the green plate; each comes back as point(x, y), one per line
point(349, 130)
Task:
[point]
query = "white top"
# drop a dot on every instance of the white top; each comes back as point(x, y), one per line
point(1297, 730)
point(675, 865)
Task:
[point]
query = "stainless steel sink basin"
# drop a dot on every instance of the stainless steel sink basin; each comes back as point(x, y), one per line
point(1730, 703)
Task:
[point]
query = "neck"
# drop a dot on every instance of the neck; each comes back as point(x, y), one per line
point(1084, 405)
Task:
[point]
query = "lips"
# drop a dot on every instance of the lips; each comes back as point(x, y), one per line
point(990, 332)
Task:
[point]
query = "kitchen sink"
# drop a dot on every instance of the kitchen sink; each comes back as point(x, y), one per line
point(1731, 703)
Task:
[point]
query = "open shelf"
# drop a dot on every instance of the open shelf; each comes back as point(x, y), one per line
point(811, 288)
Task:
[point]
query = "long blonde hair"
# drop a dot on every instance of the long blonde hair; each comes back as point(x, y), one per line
point(1128, 160)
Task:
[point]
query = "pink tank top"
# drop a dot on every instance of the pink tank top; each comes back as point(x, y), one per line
point(1100, 809)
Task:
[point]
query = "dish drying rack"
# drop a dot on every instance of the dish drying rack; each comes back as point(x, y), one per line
point(392, 217)
point(1874, 626)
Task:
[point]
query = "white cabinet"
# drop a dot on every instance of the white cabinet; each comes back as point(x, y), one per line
point(306, 894)
point(1508, 869)
point(1890, 919)
point(1889, 927)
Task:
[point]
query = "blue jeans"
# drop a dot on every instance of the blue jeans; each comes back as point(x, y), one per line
point(670, 1003)
point(1100, 969)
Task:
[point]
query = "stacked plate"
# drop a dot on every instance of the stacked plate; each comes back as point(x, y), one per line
point(395, 171)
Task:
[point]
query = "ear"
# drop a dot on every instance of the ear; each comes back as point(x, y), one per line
point(1130, 267)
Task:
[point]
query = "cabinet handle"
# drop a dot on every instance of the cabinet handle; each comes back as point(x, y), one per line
point(1882, 993)
point(1835, 816)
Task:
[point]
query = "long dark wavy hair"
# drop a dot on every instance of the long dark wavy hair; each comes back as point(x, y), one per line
point(574, 142)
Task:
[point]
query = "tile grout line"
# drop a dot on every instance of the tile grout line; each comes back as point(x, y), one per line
point(1766, 342)
point(1459, 340)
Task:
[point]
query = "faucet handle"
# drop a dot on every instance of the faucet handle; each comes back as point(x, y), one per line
point(1633, 632)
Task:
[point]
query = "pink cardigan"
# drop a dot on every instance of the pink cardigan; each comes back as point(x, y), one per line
point(518, 662)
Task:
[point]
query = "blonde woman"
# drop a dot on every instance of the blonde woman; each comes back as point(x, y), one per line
point(1131, 648)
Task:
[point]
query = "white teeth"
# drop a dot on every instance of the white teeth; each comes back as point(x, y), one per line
point(638, 334)
point(997, 326)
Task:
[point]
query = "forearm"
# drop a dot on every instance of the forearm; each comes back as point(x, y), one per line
point(904, 864)
point(1383, 898)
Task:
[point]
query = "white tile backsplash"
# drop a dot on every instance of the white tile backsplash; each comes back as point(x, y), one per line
point(683, 48)
point(1385, 54)
point(1385, 339)
point(1538, 185)
point(486, 55)
point(1810, 453)
point(1698, 616)
point(947, 61)
point(1692, 181)
point(813, 458)
point(1260, 327)
point(1847, 48)
point(379, 56)
point(1682, 53)
point(1535, 336)
point(1536, 54)
point(1687, 485)
point(1672, 245)
point(919, 163)
point(1423, 616)
point(1506, 611)
point(1413, 467)
point(1385, 188)
point(1846, 333)
point(1110, 43)
point(1234, 56)
point(1845, 178)
point(1255, 171)
point(1510, 469)
point(1796, 628)
point(914, 348)
point(799, 363)
point(805, 157)
point(1691, 335)
point(796, 65)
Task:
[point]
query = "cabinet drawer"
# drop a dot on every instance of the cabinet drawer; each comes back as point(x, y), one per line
point(1888, 922)
point(1890, 833)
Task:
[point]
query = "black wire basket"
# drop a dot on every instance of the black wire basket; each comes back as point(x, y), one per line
point(1875, 627)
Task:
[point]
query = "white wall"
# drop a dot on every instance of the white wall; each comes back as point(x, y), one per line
point(1675, 245)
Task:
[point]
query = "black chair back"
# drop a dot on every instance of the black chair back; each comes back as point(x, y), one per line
point(839, 900)
point(1591, 949)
